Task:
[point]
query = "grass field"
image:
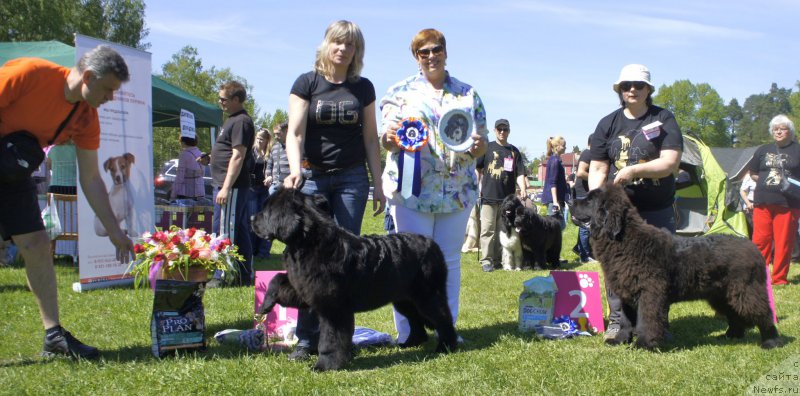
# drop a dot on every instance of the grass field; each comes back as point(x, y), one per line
point(496, 358)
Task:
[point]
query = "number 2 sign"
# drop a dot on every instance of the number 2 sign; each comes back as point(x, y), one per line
point(280, 317)
point(578, 297)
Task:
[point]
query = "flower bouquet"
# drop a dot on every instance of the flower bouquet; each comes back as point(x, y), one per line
point(177, 250)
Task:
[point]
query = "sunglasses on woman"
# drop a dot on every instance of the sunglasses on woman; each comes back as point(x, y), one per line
point(626, 85)
point(426, 52)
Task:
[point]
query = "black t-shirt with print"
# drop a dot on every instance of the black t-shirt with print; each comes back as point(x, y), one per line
point(334, 129)
point(622, 142)
point(237, 130)
point(582, 185)
point(501, 166)
point(767, 162)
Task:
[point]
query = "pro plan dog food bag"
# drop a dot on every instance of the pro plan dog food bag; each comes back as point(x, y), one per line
point(179, 320)
point(536, 303)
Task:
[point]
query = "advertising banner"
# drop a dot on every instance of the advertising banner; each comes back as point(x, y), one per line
point(125, 160)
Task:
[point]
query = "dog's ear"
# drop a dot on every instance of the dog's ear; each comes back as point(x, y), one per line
point(129, 157)
point(614, 214)
point(322, 203)
point(107, 164)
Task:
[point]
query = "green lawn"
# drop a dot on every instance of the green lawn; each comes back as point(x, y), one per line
point(496, 359)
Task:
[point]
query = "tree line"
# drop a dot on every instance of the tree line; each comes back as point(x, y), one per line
point(697, 106)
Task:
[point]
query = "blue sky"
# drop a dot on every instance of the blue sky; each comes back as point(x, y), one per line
point(547, 66)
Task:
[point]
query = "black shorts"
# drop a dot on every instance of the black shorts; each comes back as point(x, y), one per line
point(19, 209)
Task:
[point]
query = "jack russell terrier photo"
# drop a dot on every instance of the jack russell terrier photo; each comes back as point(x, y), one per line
point(120, 195)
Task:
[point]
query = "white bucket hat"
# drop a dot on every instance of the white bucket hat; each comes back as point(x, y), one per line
point(634, 72)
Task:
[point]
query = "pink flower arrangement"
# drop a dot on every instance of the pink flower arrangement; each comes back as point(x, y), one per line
point(178, 250)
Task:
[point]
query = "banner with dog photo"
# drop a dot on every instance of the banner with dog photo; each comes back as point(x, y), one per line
point(125, 159)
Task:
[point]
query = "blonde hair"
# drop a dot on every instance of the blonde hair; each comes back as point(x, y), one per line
point(341, 32)
point(264, 132)
point(553, 142)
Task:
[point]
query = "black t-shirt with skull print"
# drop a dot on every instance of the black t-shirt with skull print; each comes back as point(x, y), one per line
point(766, 163)
point(622, 141)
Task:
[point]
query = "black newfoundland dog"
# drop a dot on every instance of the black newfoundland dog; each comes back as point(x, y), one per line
point(540, 236)
point(649, 269)
point(337, 273)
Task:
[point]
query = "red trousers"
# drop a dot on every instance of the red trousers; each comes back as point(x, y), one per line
point(774, 232)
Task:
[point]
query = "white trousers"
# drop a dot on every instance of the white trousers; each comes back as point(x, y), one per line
point(447, 230)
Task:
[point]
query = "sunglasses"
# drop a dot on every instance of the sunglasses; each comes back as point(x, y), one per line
point(504, 130)
point(426, 52)
point(626, 85)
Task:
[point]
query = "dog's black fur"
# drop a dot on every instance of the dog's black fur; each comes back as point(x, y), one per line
point(540, 235)
point(337, 273)
point(649, 269)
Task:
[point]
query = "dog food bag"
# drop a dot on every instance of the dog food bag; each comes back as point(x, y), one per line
point(536, 303)
point(179, 320)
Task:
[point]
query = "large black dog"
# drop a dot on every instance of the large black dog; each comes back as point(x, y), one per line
point(649, 269)
point(540, 236)
point(337, 273)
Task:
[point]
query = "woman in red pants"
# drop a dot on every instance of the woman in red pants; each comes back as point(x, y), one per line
point(775, 214)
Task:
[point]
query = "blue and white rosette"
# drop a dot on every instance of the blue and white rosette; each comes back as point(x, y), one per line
point(412, 136)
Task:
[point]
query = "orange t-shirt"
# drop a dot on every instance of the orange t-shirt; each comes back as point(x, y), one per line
point(32, 99)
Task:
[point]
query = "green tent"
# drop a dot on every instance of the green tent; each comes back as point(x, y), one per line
point(168, 100)
point(701, 203)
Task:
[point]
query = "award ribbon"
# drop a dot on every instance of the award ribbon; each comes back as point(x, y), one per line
point(411, 137)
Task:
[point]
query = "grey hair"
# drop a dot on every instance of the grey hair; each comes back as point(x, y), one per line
point(781, 119)
point(104, 60)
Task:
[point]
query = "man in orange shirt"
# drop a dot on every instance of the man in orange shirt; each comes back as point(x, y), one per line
point(37, 96)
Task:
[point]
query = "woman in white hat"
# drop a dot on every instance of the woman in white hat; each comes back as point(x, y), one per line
point(638, 145)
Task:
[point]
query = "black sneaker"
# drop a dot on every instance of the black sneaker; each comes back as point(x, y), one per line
point(301, 353)
point(62, 342)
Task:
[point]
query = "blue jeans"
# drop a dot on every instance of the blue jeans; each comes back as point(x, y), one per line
point(584, 249)
point(347, 191)
point(258, 194)
point(625, 315)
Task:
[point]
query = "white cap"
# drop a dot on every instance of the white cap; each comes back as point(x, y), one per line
point(634, 72)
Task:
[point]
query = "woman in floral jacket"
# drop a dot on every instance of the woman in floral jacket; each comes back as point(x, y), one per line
point(435, 196)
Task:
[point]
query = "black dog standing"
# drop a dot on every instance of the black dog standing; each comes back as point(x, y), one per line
point(649, 269)
point(337, 273)
point(540, 236)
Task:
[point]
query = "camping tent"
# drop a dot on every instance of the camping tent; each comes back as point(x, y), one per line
point(702, 205)
point(168, 100)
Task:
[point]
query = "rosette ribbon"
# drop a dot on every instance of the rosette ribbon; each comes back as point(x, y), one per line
point(567, 325)
point(412, 136)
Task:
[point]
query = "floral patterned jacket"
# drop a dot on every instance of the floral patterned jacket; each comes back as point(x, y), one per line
point(448, 179)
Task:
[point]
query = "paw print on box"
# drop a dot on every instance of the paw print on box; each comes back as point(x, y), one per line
point(585, 281)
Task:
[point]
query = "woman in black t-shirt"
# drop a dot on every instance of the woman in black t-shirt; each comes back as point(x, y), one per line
point(774, 214)
point(639, 146)
point(332, 133)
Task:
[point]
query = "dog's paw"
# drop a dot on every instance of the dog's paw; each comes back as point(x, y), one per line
point(444, 348)
point(772, 343)
point(734, 333)
point(647, 344)
point(325, 363)
point(414, 341)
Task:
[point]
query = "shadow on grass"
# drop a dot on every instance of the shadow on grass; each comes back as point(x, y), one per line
point(695, 331)
point(474, 339)
point(13, 288)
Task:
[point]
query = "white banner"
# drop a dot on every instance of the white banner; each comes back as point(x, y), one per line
point(125, 159)
point(187, 124)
